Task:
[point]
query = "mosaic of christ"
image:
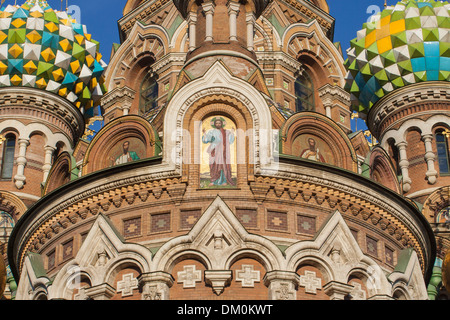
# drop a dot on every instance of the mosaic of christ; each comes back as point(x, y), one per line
point(218, 160)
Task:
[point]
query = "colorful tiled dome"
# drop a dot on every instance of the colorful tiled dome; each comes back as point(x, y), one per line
point(404, 44)
point(47, 49)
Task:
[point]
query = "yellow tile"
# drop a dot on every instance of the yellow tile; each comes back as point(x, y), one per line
point(15, 50)
point(30, 67)
point(370, 38)
point(51, 26)
point(397, 26)
point(79, 87)
point(58, 74)
point(16, 80)
point(385, 21)
point(384, 45)
point(3, 67)
point(94, 83)
point(89, 60)
point(79, 38)
point(34, 36)
point(36, 14)
point(18, 23)
point(63, 92)
point(383, 32)
point(41, 83)
point(75, 66)
point(3, 36)
point(65, 45)
point(48, 54)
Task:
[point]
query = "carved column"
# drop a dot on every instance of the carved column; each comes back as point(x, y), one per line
point(233, 10)
point(208, 8)
point(430, 157)
point(192, 22)
point(47, 161)
point(282, 285)
point(250, 19)
point(20, 178)
point(155, 285)
point(404, 165)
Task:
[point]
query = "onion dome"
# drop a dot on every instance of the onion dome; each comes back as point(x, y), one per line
point(404, 44)
point(47, 49)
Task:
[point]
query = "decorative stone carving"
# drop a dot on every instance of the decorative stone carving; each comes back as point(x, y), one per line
point(311, 282)
point(248, 276)
point(218, 279)
point(358, 293)
point(189, 276)
point(127, 285)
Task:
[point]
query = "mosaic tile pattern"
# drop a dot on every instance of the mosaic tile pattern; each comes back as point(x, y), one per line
point(47, 49)
point(404, 44)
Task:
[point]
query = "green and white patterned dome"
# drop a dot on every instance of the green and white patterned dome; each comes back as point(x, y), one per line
point(46, 49)
point(404, 44)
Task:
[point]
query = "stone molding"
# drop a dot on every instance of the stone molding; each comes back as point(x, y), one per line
point(406, 103)
point(33, 104)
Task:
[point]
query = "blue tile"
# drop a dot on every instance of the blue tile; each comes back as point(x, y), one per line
point(418, 64)
point(431, 48)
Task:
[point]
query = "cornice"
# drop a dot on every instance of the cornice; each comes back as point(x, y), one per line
point(55, 109)
point(415, 95)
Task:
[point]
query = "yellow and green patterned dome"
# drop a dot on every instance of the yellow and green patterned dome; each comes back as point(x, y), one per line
point(46, 49)
point(404, 44)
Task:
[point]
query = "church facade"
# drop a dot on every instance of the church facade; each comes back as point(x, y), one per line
point(213, 158)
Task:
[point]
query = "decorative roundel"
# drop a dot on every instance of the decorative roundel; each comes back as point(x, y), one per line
point(47, 49)
point(404, 44)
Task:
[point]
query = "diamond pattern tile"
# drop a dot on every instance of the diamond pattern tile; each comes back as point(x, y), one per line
point(47, 49)
point(404, 44)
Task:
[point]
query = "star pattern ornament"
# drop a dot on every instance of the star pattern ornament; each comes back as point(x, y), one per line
point(47, 49)
point(404, 44)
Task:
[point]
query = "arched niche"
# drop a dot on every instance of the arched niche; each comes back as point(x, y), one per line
point(63, 171)
point(124, 140)
point(312, 136)
point(382, 170)
point(199, 127)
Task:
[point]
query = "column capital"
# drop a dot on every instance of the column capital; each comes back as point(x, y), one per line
point(337, 290)
point(250, 17)
point(208, 6)
point(192, 17)
point(233, 7)
point(155, 285)
point(100, 292)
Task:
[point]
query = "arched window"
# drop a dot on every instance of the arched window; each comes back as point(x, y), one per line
point(149, 95)
point(442, 152)
point(304, 93)
point(9, 146)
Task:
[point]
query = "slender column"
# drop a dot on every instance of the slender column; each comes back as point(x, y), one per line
point(47, 161)
point(404, 165)
point(429, 158)
point(20, 178)
point(233, 10)
point(250, 19)
point(208, 8)
point(192, 22)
